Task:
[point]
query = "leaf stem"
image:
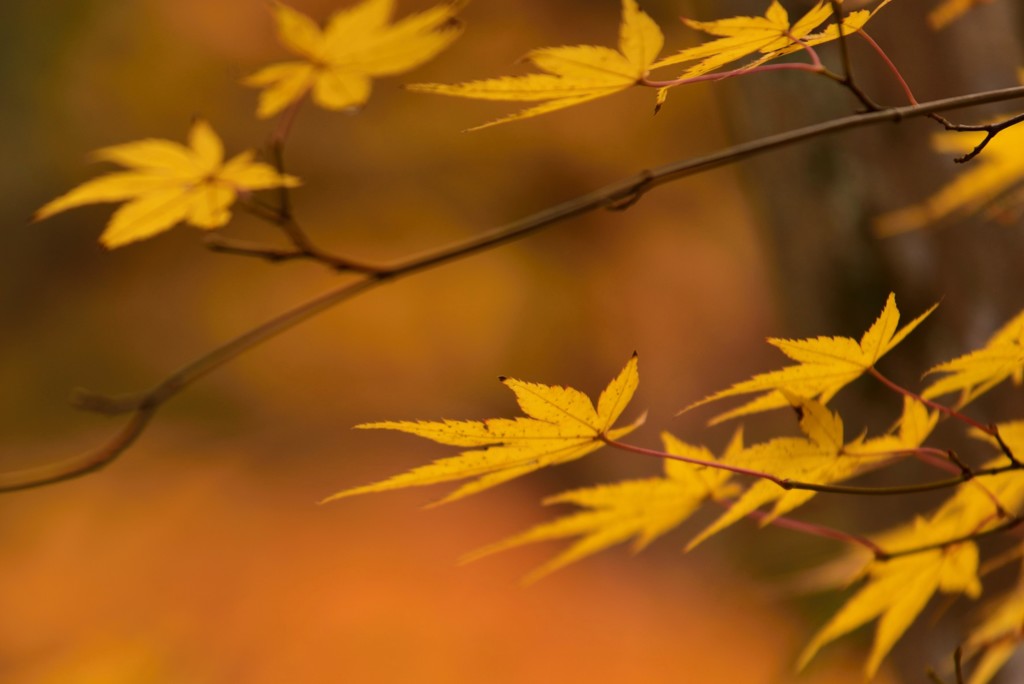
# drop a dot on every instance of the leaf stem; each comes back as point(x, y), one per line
point(941, 408)
point(891, 66)
point(723, 75)
point(817, 530)
point(812, 528)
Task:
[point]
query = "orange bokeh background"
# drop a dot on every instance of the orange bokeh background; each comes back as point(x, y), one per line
point(201, 555)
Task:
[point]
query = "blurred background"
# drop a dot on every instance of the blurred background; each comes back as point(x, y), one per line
point(201, 554)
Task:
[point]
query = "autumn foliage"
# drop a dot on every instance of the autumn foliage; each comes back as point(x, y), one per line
point(817, 452)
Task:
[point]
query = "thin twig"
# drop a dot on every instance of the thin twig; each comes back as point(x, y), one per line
point(718, 465)
point(282, 216)
point(608, 196)
point(818, 530)
point(303, 247)
point(846, 78)
point(966, 475)
point(223, 245)
point(1003, 446)
point(990, 131)
point(844, 51)
point(958, 668)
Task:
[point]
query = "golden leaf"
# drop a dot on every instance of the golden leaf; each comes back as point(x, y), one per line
point(825, 365)
point(641, 509)
point(974, 373)
point(562, 425)
point(169, 183)
point(574, 74)
point(358, 44)
point(820, 458)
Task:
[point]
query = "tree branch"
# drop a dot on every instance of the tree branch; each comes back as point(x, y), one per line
point(144, 405)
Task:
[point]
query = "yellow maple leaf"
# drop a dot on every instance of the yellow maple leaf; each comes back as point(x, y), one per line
point(357, 44)
point(739, 37)
point(641, 509)
point(988, 181)
point(950, 10)
point(772, 35)
point(998, 636)
point(898, 589)
point(820, 458)
point(574, 74)
point(896, 592)
point(169, 183)
point(975, 506)
point(825, 365)
point(974, 373)
point(915, 425)
point(562, 425)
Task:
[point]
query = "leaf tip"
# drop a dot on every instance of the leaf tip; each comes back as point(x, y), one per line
point(333, 497)
point(447, 498)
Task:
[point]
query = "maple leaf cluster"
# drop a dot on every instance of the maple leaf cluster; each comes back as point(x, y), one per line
point(337, 63)
point(170, 184)
point(580, 73)
point(901, 568)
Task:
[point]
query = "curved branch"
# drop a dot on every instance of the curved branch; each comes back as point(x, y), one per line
point(76, 466)
point(624, 192)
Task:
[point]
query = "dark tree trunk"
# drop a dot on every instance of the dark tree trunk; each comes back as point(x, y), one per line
point(819, 200)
